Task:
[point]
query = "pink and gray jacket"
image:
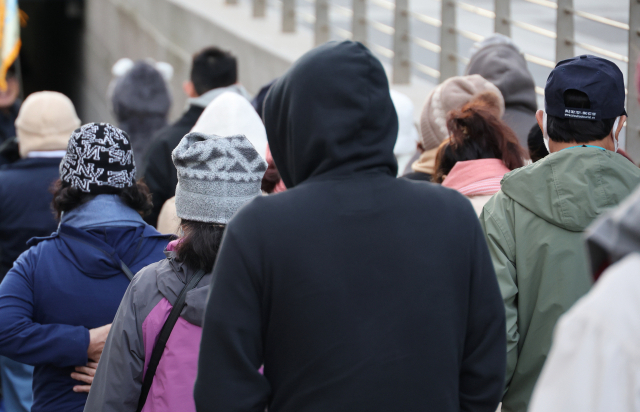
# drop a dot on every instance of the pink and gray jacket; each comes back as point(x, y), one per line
point(141, 315)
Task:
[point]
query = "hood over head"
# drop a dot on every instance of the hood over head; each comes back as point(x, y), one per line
point(615, 234)
point(569, 189)
point(331, 114)
point(230, 114)
point(504, 65)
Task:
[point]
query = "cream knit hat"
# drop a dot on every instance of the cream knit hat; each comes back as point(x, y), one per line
point(45, 122)
point(452, 94)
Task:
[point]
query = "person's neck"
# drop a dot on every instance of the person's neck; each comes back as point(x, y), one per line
point(557, 146)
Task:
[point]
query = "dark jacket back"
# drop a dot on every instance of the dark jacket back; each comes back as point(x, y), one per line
point(25, 210)
point(159, 173)
point(356, 290)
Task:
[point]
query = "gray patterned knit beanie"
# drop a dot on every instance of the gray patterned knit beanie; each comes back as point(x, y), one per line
point(216, 176)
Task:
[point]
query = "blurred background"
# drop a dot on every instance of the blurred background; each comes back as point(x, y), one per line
point(71, 45)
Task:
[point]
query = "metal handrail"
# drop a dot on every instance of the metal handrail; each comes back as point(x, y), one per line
point(539, 61)
point(345, 34)
point(384, 4)
point(544, 3)
point(404, 42)
point(382, 28)
point(476, 10)
point(388, 53)
point(533, 29)
point(599, 19)
point(427, 45)
point(345, 11)
point(602, 51)
point(426, 70)
point(469, 35)
point(426, 19)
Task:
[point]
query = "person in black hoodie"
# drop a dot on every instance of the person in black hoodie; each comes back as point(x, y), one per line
point(357, 291)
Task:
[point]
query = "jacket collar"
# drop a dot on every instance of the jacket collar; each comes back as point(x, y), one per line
point(102, 211)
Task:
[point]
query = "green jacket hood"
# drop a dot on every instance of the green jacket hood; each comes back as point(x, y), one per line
point(570, 188)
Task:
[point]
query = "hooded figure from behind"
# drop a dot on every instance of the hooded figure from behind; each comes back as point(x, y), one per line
point(141, 103)
point(354, 289)
point(501, 62)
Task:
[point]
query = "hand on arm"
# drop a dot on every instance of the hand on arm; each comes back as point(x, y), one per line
point(85, 375)
point(97, 339)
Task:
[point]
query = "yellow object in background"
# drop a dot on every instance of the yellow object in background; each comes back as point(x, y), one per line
point(9, 37)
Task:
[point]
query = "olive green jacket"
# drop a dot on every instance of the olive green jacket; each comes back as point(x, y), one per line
point(533, 227)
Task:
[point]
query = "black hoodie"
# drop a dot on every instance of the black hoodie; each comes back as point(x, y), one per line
point(356, 291)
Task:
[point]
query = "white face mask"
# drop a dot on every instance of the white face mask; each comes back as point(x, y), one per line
point(613, 134)
point(545, 135)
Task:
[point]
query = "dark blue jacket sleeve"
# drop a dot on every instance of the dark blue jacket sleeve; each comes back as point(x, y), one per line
point(231, 347)
point(25, 341)
point(484, 359)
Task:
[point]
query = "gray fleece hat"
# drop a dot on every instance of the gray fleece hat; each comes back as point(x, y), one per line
point(216, 176)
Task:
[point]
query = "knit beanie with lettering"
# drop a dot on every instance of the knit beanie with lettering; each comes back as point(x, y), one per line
point(452, 94)
point(216, 176)
point(99, 160)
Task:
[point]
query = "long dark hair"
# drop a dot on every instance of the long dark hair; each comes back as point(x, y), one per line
point(476, 133)
point(198, 248)
point(66, 198)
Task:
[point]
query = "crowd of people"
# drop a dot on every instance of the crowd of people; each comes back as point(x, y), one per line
point(311, 248)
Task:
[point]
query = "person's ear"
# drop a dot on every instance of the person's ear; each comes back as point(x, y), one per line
point(616, 132)
point(540, 118)
point(189, 88)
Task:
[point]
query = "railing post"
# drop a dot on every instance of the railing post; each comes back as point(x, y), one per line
point(359, 21)
point(502, 23)
point(401, 44)
point(564, 30)
point(288, 16)
point(448, 41)
point(633, 109)
point(259, 8)
point(321, 26)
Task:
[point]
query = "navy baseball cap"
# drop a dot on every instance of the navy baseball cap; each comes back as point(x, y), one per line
point(598, 78)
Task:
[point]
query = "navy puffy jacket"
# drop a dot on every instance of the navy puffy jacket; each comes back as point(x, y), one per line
point(60, 288)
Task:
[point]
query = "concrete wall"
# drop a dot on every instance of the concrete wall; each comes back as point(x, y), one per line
point(172, 30)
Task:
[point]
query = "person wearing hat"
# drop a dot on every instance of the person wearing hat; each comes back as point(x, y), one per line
point(228, 114)
point(58, 299)
point(216, 176)
point(593, 362)
point(450, 95)
point(43, 126)
point(534, 225)
point(141, 101)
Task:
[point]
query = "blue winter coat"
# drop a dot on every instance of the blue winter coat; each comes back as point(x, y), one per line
point(60, 288)
point(25, 203)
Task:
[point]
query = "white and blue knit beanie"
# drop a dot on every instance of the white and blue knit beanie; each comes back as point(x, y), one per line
point(216, 176)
